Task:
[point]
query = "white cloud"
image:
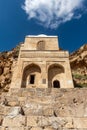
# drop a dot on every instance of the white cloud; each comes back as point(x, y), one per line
point(52, 13)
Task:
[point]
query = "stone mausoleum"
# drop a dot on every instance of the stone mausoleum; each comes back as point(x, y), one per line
point(41, 64)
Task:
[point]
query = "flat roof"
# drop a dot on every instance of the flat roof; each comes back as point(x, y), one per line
point(41, 35)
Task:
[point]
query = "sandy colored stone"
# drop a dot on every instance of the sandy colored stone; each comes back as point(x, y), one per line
point(80, 123)
point(32, 121)
point(12, 128)
point(2, 128)
point(41, 64)
point(1, 110)
point(48, 112)
point(44, 121)
point(11, 101)
point(14, 122)
point(36, 128)
point(48, 128)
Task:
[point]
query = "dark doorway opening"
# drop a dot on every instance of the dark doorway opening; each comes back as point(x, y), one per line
point(32, 79)
point(56, 84)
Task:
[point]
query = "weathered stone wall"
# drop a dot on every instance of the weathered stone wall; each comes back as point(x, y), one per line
point(44, 63)
point(51, 43)
point(44, 109)
point(53, 64)
point(31, 70)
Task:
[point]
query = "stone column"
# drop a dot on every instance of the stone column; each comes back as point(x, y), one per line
point(17, 75)
point(69, 81)
point(44, 75)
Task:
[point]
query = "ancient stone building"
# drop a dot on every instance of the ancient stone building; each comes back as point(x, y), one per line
point(41, 64)
point(34, 101)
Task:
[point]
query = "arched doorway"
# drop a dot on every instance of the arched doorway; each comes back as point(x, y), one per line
point(56, 84)
point(31, 76)
point(54, 75)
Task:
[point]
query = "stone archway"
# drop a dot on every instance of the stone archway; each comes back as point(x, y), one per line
point(56, 84)
point(54, 74)
point(31, 76)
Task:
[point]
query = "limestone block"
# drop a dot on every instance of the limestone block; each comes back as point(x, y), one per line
point(1, 110)
point(1, 120)
point(85, 107)
point(32, 121)
point(25, 93)
point(49, 128)
point(32, 112)
point(80, 123)
point(36, 128)
point(31, 92)
point(32, 105)
point(69, 123)
point(62, 111)
point(48, 112)
point(7, 109)
point(15, 91)
point(12, 128)
point(32, 109)
point(22, 100)
point(44, 121)
point(61, 122)
point(2, 128)
point(14, 111)
point(69, 129)
point(27, 128)
point(14, 122)
point(85, 111)
point(11, 101)
point(2, 98)
point(40, 99)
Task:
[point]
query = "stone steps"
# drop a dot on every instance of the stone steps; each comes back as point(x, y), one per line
point(43, 109)
point(44, 122)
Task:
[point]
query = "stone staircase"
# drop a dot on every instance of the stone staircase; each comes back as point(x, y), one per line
point(43, 109)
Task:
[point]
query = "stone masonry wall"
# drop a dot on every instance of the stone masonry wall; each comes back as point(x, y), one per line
point(43, 109)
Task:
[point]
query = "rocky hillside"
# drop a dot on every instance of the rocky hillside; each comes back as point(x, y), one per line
point(78, 61)
point(6, 68)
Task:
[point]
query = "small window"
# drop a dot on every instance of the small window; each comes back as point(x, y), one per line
point(32, 79)
point(41, 45)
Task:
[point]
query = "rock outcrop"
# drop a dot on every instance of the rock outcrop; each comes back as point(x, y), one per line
point(78, 61)
point(6, 68)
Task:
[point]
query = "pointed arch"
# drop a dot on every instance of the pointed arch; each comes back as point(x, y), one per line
point(54, 72)
point(31, 74)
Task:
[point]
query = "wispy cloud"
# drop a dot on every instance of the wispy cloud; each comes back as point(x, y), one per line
point(52, 13)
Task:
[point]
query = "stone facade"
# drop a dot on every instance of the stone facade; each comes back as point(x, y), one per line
point(41, 64)
point(34, 101)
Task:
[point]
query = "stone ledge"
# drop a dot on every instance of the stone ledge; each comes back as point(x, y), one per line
point(41, 121)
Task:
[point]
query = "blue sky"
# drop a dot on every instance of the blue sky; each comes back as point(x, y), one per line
point(15, 25)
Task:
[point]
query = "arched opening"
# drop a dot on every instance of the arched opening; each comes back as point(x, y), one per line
point(55, 72)
point(31, 76)
point(41, 45)
point(56, 84)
